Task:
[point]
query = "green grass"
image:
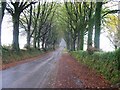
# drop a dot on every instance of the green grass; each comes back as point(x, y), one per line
point(9, 56)
point(105, 63)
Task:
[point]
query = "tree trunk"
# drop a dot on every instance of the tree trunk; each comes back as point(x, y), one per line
point(90, 33)
point(67, 36)
point(35, 27)
point(46, 44)
point(54, 45)
point(97, 24)
point(43, 42)
point(78, 41)
point(115, 47)
point(29, 27)
point(81, 39)
point(38, 38)
point(35, 40)
point(38, 42)
point(69, 41)
point(28, 40)
point(74, 41)
point(90, 28)
point(15, 45)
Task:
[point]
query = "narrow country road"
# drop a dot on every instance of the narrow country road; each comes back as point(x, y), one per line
point(34, 74)
point(54, 70)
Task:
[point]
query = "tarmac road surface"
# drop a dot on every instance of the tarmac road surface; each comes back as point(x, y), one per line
point(33, 74)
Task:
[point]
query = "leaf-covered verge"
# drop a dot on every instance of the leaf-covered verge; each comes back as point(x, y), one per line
point(9, 56)
point(106, 63)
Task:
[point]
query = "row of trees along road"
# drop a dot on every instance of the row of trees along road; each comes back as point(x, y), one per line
point(36, 18)
point(82, 18)
point(42, 21)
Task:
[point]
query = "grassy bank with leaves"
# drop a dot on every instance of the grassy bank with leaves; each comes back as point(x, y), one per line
point(106, 63)
point(9, 56)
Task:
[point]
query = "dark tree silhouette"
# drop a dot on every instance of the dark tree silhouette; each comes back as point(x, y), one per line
point(15, 11)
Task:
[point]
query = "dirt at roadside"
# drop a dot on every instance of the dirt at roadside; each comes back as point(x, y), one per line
point(71, 74)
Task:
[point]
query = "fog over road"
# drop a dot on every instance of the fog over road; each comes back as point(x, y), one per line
point(33, 74)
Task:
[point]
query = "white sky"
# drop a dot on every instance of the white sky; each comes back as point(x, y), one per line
point(6, 33)
point(6, 36)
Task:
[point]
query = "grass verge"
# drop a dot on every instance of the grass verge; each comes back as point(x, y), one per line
point(9, 56)
point(106, 63)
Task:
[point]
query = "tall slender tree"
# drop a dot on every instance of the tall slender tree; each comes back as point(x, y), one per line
point(90, 25)
point(97, 24)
